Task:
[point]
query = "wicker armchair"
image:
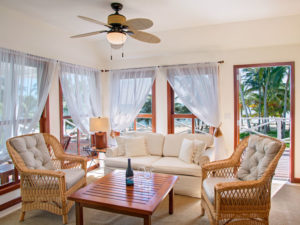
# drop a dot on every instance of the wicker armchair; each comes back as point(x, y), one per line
point(235, 201)
point(48, 189)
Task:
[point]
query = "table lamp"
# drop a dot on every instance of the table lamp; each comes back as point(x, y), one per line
point(99, 125)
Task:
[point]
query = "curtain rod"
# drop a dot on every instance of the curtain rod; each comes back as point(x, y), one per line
point(220, 62)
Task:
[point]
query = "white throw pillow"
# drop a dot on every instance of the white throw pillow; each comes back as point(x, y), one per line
point(199, 147)
point(186, 151)
point(135, 146)
point(154, 142)
point(121, 145)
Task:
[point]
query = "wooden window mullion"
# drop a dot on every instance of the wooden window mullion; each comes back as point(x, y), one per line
point(134, 124)
point(193, 125)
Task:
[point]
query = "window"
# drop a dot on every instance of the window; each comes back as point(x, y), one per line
point(180, 119)
point(69, 129)
point(20, 95)
point(146, 120)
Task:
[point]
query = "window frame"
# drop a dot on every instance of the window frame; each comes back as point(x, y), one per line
point(148, 115)
point(172, 115)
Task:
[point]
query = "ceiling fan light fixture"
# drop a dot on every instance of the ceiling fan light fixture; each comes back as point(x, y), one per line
point(116, 38)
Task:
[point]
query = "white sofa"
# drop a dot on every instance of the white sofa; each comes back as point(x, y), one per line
point(163, 158)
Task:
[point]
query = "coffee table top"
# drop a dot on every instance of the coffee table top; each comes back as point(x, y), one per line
point(111, 192)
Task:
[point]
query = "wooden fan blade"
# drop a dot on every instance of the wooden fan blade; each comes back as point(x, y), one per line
point(139, 23)
point(94, 21)
point(144, 36)
point(88, 34)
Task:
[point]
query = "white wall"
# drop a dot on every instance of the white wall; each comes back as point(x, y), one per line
point(231, 58)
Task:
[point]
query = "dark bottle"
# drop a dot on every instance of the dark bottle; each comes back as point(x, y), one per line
point(129, 174)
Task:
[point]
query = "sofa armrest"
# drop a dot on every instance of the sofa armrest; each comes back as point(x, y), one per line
point(210, 153)
point(112, 151)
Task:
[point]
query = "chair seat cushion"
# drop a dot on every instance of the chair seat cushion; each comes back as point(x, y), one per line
point(209, 185)
point(72, 176)
point(174, 165)
point(136, 162)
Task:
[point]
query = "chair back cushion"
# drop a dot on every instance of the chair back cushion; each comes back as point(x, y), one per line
point(259, 154)
point(33, 151)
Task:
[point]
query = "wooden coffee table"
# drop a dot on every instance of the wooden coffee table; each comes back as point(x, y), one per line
point(110, 193)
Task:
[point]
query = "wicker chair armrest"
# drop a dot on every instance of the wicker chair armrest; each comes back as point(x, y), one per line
point(70, 157)
point(237, 185)
point(74, 160)
point(50, 173)
point(220, 164)
point(221, 168)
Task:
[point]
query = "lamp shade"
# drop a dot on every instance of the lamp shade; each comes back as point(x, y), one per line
point(116, 38)
point(99, 124)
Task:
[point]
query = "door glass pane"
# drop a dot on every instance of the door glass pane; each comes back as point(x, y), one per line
point(264, 107)
point(65, 108)
point(201, 127)
point(144, 124)
point(70, 130)
point(183, 125)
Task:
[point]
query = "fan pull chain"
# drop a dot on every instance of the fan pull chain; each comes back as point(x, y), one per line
point(123, 51)
point(111, 58)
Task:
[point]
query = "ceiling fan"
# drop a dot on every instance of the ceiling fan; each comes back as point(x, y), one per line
point(119, 28)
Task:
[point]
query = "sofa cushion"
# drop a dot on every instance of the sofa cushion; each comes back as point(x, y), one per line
point(209, 185)
point(33, 151)
point(72, 176)
point(174, 165)
point(136, 162)
point(135, 146)
point(200, 147)
point(186, 151)
point(173, 142)
point(121, 140)
point(259, 153)
point(154, 142)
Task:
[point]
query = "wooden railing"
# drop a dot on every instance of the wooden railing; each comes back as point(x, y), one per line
point(258, 125)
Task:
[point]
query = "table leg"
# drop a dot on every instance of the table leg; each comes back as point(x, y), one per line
point(147, 220)
point(79, 214)
point(171, 202)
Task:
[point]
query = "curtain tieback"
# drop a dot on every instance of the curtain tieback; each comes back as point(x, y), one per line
point(217, 131)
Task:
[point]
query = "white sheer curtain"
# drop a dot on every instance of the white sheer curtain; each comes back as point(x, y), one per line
point(25, 81)
point(197, 87)
point(81, 90)
point(129, 90)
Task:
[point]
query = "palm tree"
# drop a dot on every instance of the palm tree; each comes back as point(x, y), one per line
point(265, 83)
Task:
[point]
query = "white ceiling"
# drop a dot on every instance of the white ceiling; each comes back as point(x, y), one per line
point(166, 14)
point(217, 24)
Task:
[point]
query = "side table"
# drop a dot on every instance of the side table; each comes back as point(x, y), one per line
point(5, 171)
point(93, 152)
